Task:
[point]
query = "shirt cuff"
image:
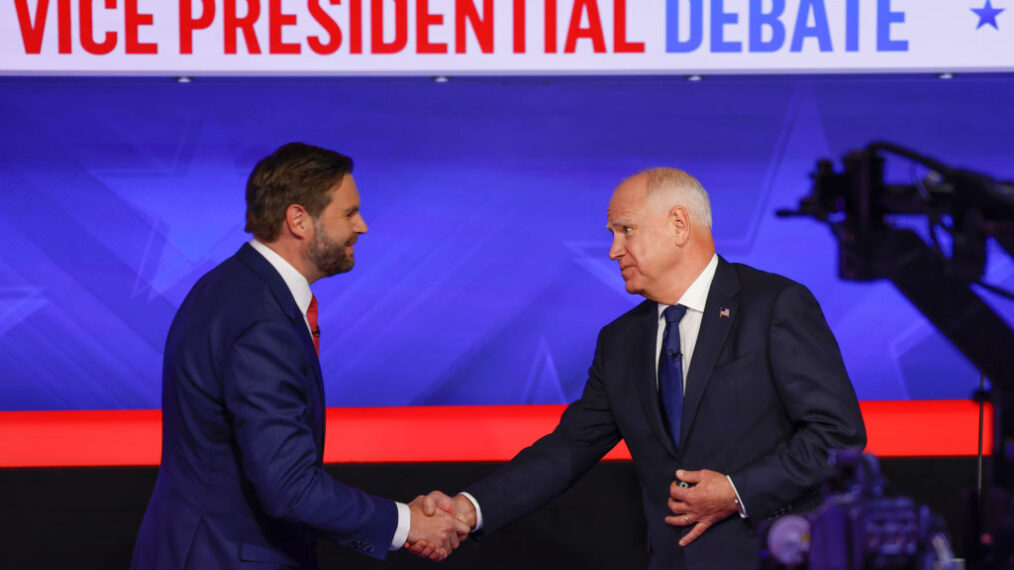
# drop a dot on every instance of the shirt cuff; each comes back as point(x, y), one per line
point(404, 524)
point(739, 501)
point(478, 511)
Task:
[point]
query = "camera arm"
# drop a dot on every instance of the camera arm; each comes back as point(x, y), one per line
point(855, 203)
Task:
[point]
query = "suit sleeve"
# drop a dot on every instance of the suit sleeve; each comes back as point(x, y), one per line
point(269, 388)
point(818, 399)
point(548, 467)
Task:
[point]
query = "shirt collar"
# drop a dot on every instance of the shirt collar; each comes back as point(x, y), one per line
point(294, 280)
point(696, 296)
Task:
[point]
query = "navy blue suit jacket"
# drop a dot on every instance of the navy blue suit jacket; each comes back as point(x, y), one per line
point(767, 397)
point(241, 480)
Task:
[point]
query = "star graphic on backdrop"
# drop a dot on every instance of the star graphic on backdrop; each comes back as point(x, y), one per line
point(987, 15)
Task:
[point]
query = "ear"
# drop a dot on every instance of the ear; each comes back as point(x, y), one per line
point(679, 220)
point(298, 222)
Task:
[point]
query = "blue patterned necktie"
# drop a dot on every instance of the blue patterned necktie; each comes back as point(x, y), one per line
point(670, 370)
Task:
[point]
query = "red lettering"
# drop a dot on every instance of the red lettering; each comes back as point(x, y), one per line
point(63, 24)
point(188, 24)
point(276, 21)
point(329, 25)
point(356, 26)
point(550, 26)
point(482, 26)
point(233, 23)
point(87, 40)
point(519, 26)
point(620, 43)
point(400, 27)
point(592, 32)
point(132, 20)
point(31, 32)
point(423, 21)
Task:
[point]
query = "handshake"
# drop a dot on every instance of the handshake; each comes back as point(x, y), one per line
point(439, 524)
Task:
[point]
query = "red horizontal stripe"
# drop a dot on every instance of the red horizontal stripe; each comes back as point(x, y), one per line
point(80, 438)
point(922, 428)
point(926, 428)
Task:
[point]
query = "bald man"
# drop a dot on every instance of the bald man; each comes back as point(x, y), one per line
point(726, 384)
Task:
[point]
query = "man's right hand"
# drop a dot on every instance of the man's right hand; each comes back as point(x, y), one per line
point(437, 503)
point(434, 532)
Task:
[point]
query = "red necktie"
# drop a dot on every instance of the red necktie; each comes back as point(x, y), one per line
point(311, 316)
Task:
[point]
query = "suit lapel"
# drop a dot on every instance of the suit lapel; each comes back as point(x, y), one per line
point(719, 315)
point(644, 374)
point(283, 296)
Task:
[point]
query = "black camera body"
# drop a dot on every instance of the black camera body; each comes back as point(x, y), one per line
point(857, 527)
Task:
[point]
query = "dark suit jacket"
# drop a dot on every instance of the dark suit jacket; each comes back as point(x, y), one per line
point(241, 479)
point(767, 397)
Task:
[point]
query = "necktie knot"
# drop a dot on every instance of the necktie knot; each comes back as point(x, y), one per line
point(674, 314)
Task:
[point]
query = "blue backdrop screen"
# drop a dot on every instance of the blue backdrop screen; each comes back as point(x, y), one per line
point(485, 277)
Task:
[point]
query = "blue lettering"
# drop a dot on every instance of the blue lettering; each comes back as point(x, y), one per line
point(819, 29)
point(719, 19)
point(885, 17)
point(759, 19)
point(673, 44)
point(852, 25)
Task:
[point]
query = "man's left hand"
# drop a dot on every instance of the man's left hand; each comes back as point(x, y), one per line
point(710, 500)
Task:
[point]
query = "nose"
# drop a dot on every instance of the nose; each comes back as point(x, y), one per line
point(359, 226)
point(616, 249)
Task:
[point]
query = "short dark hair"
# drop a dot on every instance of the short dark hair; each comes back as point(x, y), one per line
point(296, 173)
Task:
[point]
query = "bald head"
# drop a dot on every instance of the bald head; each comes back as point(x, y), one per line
point(675, 187)
point(661, 225)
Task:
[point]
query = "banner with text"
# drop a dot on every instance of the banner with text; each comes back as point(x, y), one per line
point(408, 37)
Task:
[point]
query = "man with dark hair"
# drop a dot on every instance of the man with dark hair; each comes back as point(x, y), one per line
point(726, 384)
point(242, 478)
point(296, 173)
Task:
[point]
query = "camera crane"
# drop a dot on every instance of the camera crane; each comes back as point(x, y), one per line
point(971, 208)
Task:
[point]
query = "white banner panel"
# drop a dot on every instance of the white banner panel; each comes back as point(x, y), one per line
point(437, 37)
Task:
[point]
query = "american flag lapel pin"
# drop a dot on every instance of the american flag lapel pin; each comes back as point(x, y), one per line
point(724, 312)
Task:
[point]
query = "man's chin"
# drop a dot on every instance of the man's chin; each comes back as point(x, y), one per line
point(344, 267)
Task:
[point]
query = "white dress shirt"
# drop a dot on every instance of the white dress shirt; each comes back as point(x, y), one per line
point(300, 289)
point(694, 299)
